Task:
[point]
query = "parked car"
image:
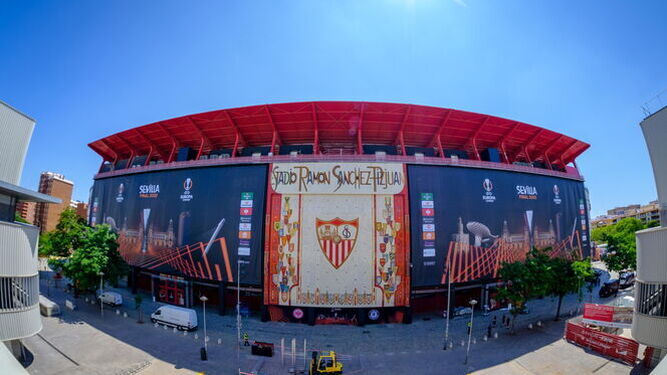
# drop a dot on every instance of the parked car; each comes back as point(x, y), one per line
point(627, 279)
point(111, 298)
point(180, 317)
point(610, 287)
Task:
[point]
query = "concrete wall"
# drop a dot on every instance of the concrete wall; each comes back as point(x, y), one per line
point(15, 132)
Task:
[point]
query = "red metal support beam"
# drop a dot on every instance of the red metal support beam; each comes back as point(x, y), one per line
point(360, 147)
point(201, 148)
point(316, 136)
point(443, 123)
point(202, 136)
point(174, 143)
point(148, 157)
point(236, 145)
point(440, 150)
point(154, 147)
point(546, 151)
point(528, 144)
point(110, 149)
point(399, 136)
point(276, 135)
point(129, 146)
point(504, 138)
point(241, 138)
point(474, 137)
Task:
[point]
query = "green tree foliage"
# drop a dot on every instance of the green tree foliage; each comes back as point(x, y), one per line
point(566, 276)
point(621, 244)
point(67, 236)
point(525, 280)
point(97, 251)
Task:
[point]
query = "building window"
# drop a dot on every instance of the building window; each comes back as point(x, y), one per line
point(7, 207)
point(18, 293)
point(652, 299)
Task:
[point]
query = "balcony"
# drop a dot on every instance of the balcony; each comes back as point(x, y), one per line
point(19, 281)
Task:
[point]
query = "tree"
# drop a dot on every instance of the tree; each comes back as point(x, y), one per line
point(67, 236)
point(621, 244)
point(97, 251)
point(137, 306)
point(566, 276)
point(525, 280)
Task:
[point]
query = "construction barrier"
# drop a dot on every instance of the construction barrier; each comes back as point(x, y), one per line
point(607, 344)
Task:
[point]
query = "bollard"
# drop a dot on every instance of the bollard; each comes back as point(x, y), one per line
point(206, 339)
point(196, 336)
point(474, 340)
point(219, 341)
point(165, 327)
point(117, 312)
point(124, 315)
point(450, 345)
point(174, 329)
point(530, 325)
point(485, 338)
point(463, 343)
point(185, 333)
point(155, 324)
point(539, 323)
point(87, 300)
point(495, 335)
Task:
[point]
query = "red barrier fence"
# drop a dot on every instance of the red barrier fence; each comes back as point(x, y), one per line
point(607, 344)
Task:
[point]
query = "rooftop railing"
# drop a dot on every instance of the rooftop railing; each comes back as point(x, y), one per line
point(570, 173)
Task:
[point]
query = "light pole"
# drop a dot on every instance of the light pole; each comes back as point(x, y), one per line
point(472, 313)
point(203, 299)
point(101, 291)
point(449, 299)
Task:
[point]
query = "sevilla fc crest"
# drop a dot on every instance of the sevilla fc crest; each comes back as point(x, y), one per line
point(337, 238)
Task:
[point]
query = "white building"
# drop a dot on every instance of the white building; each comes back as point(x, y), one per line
point(19, 278)
point(649, 325)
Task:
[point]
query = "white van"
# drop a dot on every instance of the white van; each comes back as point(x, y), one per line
point(111, 298)
point(174, 316)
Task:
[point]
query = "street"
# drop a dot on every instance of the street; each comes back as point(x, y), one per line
point(81, 341)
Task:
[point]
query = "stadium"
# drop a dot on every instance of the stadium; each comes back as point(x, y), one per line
point(336, 212)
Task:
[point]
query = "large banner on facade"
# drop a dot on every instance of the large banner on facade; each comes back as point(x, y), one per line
point(466, 222)
point(189, 222)
point(336, 235)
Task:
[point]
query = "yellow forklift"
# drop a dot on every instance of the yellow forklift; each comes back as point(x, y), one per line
point(325, 363)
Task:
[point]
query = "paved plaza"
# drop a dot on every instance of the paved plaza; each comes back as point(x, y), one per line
point(81, 341)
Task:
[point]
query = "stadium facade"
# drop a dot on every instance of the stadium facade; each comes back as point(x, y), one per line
point(336, 212)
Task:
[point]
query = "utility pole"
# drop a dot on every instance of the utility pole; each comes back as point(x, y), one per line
point(472, 313)
point(449, 299)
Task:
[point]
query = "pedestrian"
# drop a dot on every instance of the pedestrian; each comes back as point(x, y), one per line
point(245, 339)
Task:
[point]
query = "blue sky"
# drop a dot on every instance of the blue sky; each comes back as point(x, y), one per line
point(86, 69)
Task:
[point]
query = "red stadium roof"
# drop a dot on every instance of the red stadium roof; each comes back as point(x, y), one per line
point(342, 128)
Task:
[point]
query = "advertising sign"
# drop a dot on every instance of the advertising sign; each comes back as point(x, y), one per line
point(467, 221)
point(336, 235)
point(191, 222)
point(608, 316)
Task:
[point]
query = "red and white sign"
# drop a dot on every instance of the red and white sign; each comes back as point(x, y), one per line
point(615, 346)
point(608, 316)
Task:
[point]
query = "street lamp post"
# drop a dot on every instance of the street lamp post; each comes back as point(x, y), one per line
point(101, 291)
point(449, 299)
point(203, 299)
point(472, 313)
